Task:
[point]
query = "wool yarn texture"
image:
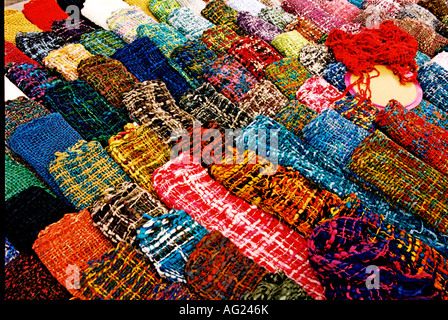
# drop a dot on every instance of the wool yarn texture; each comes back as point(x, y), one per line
point(195, 5)
point(253, 25)
point(433, 80)
point(441, 59)
point(15, 22)
point(87, 111)
point(26, 278)
point(219, 39)
point(417, 12)
point(206, 104)
point(37, 45)
point(315, 58)
point(422, 58)
point(71, 32)
point(172, 291)
point(221, 14)
point(264, 99)
point(317, 94)
point(182, 183)
point(71, 241)
point(280, 192)
point(332, 134)
point(42, 13)
point(288, 75)
point(39, 139)
point(125, 21)
point(122, 273)
point(10, 252)
point(98, 11)
point(334, 73)
point(437, 7)
point(410, 183)
point(118, 211)
point(289, 43)
point(254, 54)
point(217, 270)
point(276, 16)
point(142, 4)
point(189, 23)
point(168, 241)
point(162, 8)
point(294, 116)
point(66, 60)
point(361, 112)
point(109, 77)
point(252, 6)
point(101, 41)
point(342, 9)
point(424, 140)
point(430, 113)
point(138, 151)
point(14, 55)
point(146, 61)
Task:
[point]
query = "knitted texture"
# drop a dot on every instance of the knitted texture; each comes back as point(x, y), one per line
point(66, 60)
point(162, 8)
point(124, 22)
point(230, 78)
point(121, 273)
point(86, 110)
point(118, 211)
point(434, 82)
point(253, 25)
point(417, 12)
point(107, 76)
point(168, 241)
point(42, 13)
point(15, 22)
point(183, 183)
point(307, 29)
point(289, 43)
point(139, 151)
point(254, 54)
point(441, 59)
point(438, 7)
point(37, 141)
point(288, 75)
point(280, 192)
point(332, 134)
point(102, 42)
point(264, 99)
point(98, 11)
point(142, 4)
point(334, 73)
point(206, 104)
point(294, 116)
point(360, 112)
point(172, 291)
point(71, 33)
point(276, 16)
point(430, 113)
point(190, 24)
point(195, 5)
point(29, 212)
point(219, 38)
point(221, 14)
point(37, 45)
point(217, 270)
point(71, 241)
point(83, 171)
point(147, 62)
point(342, 9)
point(26, 278)
point(10, 252)
point(252, 6)
point(317, 94)
point(424, 140)
point(422, 58)
point(409, 182)
point(14, 55)
point(315, 58)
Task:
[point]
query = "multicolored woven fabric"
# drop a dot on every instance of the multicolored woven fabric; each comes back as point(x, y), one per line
point(168, 241)
point(124, 22)
point(107, 76)
point(408, 182)
point(206, 104)
point(430, 113)
point(190, 24)
point(315, 58)
point(255, 26)
point(441, 59)
point(37, 141)
point(332, 134)
point(121, 273)
point(219, 38)
point(318, 94)
point(10, 252)
point(280, 192)
point(139, 151)
point(342, 9)
point(265, 99)
point(71, 33)
point(164, 36)
point(195, 5)
point(438, 7)
point(37, 45)
point(26, 278)
point(66, 60)
point(15, 22)
point(217, 270)
point(252, 6)
point(434, 82)
point(424, 140)
point(86, 110)
point(276, 16)
point(360, 112)
point(289, 43)
point(101, 41)
point(221, 14)
point(14, 55)
point(182, 183)
point(146, 61)
point(172, 291)
point(66, 246)
point(42, 13)
point(118, 211)
point(162, 8)
point(421, 59)
point(294, 116)
point(288, 75)
point(98, 11)
point(419, 13)
point(29, 212)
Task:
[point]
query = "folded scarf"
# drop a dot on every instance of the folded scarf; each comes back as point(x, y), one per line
point(219, 39)
point(342, 9)
point(434, 82)
point(335, 73)
point(317, 94)
point(37, 45)
point(189, 23)
point(252, 6)
point(294, 116)
point(162, 8)
point(255, 26)
point(289, 43)
point(98, 11)
point(360, 112)
point(276, 16)
point(14, 55)
point(221, 14)
point(43, 13)
point(430, 113)
point(101, 41)
point(315, 58)
point(71, 33)
point(437, 7)
point(15, 22)
point(417, 12)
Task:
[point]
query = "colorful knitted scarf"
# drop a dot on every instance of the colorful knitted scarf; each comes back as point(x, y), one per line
point(317, 94)
point(37, 45)
point(276, 16)
point(15, 22)
point(172, 291)
point(289, 43)
point(219, 38)
point(101, 41)
point(360, 112)
point(434, 82)
point(315, 58)
point(14, 55)
point(69, 33)
point(43, 13)
point(255, 26)
point(294, 116)
point(430, 113)
point(191, 25)
point(221, 14)
point(162, 8)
